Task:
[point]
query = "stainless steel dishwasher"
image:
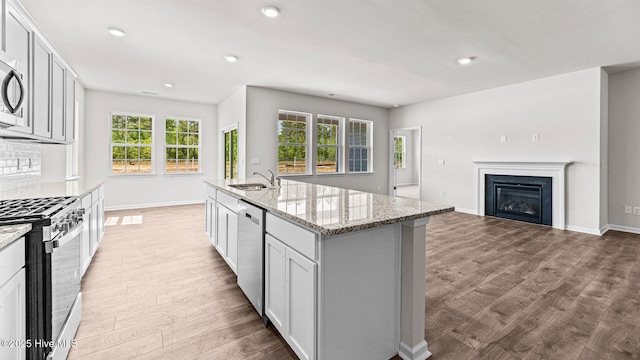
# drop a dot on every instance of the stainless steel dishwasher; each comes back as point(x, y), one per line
point(251, 254)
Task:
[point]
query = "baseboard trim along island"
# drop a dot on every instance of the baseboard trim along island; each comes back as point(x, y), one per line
point(343, 270)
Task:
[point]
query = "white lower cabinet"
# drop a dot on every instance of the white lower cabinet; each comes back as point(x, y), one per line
point(13, 304)
point(227, 235)
point(210, 216)
point(93, 225)
point(290, 296)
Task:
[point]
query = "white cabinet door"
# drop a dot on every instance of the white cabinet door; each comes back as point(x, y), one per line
point(95, 232)
point(300, 304)
point(70, 106)
point(100, 219)
point(58, 74)
point(210, 218)
point(18, 46)
point(41, 100)
point(85, 245)
point(13, 306)
point(232, 240)
point(222, 225)
point(275, 282)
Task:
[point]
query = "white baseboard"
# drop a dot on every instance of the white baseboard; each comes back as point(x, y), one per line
point(419, 352)
point(143, 206)
point(466, 211)
point(628, 229)
point(583, 230)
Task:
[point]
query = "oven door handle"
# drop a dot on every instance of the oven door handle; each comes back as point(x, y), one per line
point(61, 240)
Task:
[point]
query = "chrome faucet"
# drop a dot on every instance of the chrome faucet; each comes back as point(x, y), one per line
point(271, 179)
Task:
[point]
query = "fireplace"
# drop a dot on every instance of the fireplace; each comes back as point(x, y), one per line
point(523, 198)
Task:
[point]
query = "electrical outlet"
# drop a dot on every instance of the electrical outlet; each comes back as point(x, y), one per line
point(535, 137)
point(441, 162)
point(627, 210)
point(636, 210)
point(503, 138)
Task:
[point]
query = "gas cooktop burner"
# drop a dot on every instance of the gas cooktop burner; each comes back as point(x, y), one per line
point(30, 210)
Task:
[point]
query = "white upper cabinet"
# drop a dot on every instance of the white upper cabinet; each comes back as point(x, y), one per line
point(18, 46)
point(49, 105)
point(42, 59)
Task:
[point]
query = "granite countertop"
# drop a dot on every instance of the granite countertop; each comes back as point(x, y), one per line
point(10, 233)
point(331, 210)
point(33, 189)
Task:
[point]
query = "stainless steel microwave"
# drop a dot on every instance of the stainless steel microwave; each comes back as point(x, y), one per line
point(12, 93)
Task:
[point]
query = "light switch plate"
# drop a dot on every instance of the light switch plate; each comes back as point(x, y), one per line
point(636, 210)
point(255, 161)
point(628, 210)
point(440, 162)
point(535, 137)
point(503, 138)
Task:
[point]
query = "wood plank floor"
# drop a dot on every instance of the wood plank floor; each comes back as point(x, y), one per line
point(496, 289)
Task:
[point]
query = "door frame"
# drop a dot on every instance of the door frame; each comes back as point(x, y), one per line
point(391, 159)
point(222, 153)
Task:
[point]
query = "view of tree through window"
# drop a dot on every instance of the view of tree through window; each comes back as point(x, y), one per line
point(359, 145)
point(292, 143)
point(182, 145)
point(328, 132)
point(399, 150)
point(131, 144)
point(231, 154)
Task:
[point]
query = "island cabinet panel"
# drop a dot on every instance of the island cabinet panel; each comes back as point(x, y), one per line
point(304, 241)
point(290, 290)
point(227, 230)
point(13, 302)
point(275, 282)
point(210, 225)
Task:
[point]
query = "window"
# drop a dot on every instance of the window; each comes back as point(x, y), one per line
point(293, 143)
point(399, 151)
point(360, 145)
point(182, 145)
point(329, 134)
point(131, 143)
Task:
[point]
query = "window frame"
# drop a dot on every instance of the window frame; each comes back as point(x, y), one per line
point(403, 153)
point(177, 146)
point(368, 147)
point(112, 144)
point(339, 146)
point(310, 157)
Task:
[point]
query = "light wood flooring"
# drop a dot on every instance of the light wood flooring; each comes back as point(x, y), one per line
point(496, 289)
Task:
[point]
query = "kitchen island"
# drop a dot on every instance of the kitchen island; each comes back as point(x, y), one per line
point(344, 269)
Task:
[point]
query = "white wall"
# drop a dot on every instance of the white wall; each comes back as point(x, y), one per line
point(564, 110)
point(146, 190)
point(262, 142)
point(624, 147)
point(232, 111)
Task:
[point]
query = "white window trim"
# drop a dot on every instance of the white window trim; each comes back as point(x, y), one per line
point(340, 146)
point(164, 140)
point(310, 161)
point(369, 147)
point(153, 140)
point(404, 151)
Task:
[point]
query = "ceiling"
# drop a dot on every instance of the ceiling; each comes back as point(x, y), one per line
point(376, 52)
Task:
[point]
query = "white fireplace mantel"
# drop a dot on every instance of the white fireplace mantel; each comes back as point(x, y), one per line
point(555, 170)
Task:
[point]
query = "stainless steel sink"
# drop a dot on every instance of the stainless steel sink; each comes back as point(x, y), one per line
point(249, 187)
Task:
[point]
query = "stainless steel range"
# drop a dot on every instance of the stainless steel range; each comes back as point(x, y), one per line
point(53, 271)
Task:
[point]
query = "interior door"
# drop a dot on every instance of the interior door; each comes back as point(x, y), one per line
point(406, 163)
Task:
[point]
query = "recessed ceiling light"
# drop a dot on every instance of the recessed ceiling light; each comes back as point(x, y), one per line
point(117, 32)
point(270, 11)
point(169, 85)
point(231, 58)
point(466, 60)
point(396, 105)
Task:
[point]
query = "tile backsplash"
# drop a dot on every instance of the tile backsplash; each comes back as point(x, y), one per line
point(20, 160)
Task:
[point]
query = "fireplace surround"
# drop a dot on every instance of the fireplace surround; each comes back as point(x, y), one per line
point(554, 170)
point(522, 198)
